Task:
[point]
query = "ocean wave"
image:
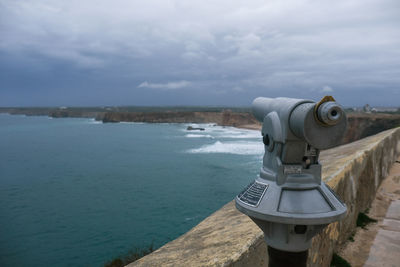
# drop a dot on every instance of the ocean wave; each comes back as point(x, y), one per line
point(238, 148)
point(255, 135)
point(131, 122)
point(226, 132)
point(93, 121)
point(199, 136)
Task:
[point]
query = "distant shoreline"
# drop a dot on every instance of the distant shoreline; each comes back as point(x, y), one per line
point(236, 117)
point(360, 125)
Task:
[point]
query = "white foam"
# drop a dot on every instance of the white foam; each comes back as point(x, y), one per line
point(131, 122)
point(240, 135)
point(226, 132)
point(93, 121)
point(199, 136)
point(238, 148)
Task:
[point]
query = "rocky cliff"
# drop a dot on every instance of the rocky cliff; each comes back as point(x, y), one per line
point(361, 125)
point(224, 118)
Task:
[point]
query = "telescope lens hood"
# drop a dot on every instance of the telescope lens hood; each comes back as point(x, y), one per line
point(330, 113)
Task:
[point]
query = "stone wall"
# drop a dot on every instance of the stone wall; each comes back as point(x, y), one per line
point(229, 238)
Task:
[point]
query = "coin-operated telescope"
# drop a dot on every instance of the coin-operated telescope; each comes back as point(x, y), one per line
point(288, 200)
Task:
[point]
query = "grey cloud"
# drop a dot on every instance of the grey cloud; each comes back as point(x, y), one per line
point(326, 89)
point(166, 86)
point(258, 46)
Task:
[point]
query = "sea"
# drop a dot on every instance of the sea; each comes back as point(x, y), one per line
point(77, 192)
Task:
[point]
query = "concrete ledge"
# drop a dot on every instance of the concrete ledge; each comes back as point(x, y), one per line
point(229, 238)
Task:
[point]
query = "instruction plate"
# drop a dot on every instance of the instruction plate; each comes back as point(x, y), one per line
point(253, 193)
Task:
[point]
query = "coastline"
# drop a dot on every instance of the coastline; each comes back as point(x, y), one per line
point(235, 117)
point(360, 125)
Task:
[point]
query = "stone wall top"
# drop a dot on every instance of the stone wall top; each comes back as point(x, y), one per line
point(229, 238)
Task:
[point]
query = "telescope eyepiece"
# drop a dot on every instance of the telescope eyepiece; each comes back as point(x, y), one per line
point(330, 113)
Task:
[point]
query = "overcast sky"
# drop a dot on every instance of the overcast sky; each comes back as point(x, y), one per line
point(120, 52)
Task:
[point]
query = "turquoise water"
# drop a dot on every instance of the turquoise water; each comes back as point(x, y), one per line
point(75, 192)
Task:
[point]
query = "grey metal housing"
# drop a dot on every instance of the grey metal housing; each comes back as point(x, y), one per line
point(288, 200)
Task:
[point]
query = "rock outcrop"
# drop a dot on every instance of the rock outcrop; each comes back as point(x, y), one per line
point(225, 118)
point(191, 128)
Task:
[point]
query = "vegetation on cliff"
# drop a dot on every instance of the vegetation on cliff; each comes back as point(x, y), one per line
point(131, 256)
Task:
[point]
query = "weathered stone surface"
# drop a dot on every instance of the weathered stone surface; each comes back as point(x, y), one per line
point(229, 238)
point(385, 250)
point(394, 211)
point(378, 244)
point(386, 246)
point(211, 242)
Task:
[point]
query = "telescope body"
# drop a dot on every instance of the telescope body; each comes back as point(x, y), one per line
point(302, 119)
point(288, 200)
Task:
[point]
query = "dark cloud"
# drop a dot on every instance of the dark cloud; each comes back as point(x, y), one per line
point(197, 52)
